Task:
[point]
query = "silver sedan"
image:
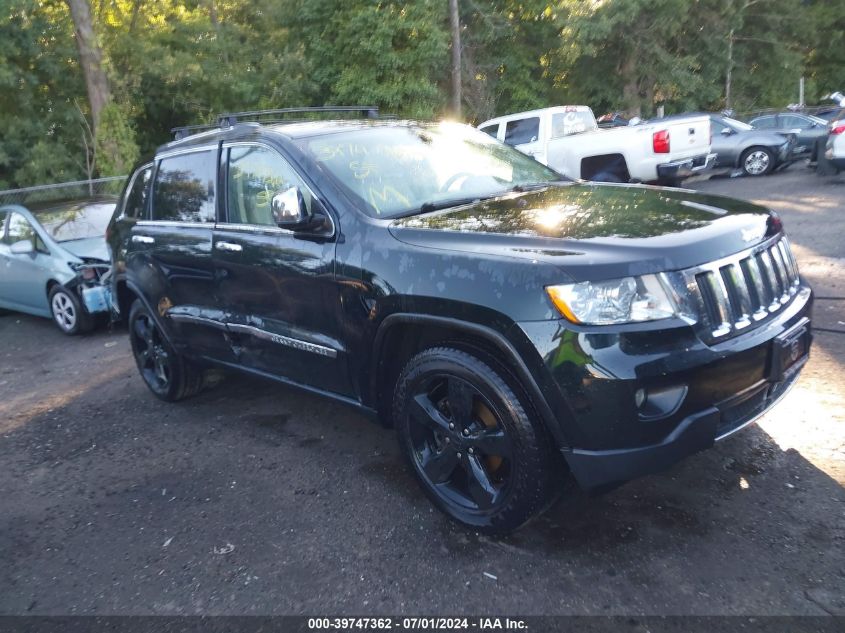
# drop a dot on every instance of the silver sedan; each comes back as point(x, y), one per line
point(54, 262)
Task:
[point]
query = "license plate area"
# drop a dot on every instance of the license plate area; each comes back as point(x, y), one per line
point(789, 350)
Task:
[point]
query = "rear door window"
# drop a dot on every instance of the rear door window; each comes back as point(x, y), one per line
point(792, 122)
point(522, 131)
point(184, 189)
point(139, 193)
point(765, 123)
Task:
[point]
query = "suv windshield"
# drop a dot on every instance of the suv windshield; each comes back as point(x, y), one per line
point(76, 222)
point(406, 168)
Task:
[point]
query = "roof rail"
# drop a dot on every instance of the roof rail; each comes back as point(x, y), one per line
point(230, 119)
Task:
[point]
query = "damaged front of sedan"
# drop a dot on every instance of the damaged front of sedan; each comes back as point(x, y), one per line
point(54, 262)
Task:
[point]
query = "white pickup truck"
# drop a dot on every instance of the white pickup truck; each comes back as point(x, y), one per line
point(568, 139)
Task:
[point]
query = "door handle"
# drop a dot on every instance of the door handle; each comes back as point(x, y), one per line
point(143, 239)
point(228, 246)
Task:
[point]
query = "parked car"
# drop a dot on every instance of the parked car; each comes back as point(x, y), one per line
point(835, 146)
point(806, 128)
point(517, 329)
point(54, 262)
point(755, 152)
point(568, 139)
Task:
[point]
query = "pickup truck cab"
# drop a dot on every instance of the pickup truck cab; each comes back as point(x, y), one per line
point(568, 139)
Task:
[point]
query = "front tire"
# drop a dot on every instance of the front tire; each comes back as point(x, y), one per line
point(168, 374)
point(477, 453)
point(68, 314)
point(757, 161)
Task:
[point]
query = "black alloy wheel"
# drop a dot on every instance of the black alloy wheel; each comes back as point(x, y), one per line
point(476, 452)
point(167, 374)
point(459, 443)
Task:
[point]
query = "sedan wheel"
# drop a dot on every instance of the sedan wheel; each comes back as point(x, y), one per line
point(68, 313)
point(757, 161)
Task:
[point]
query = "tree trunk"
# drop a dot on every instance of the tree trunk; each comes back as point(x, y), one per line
point(730, 70)
point(455, 22)
point(215, 23)
point(90, 58)
point(631, 87)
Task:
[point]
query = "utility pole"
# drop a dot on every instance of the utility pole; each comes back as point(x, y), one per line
point(455, 22)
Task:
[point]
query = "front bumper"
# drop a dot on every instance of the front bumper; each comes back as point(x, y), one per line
point(697, 432)
point(709, 391)
point(686, 168)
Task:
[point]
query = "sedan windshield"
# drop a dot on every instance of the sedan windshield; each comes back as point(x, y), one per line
point(403, 169)
point(77, 222)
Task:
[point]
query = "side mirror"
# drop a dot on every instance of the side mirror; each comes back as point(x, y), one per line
point(726, 131)
point(288, 207)
point(290, 212)
point(24, 247)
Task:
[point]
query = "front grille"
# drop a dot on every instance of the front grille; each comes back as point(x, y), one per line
point(735, 292)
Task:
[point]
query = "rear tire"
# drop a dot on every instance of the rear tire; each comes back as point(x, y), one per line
point(168, 374)
point(477, 453)
point(68, 314)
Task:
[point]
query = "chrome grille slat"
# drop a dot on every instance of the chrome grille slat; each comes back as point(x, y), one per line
point(738, 294)
point(719, 296)
point(768, 268)
point(791, 267)
point(751, 268)
point(780, 271)
point(748, 287)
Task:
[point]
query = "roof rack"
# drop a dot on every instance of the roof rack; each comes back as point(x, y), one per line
point(230, 119)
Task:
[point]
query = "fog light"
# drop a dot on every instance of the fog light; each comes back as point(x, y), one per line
point(661, 402)
point(639, 397)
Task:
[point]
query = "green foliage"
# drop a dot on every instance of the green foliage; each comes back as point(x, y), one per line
point(176, 62)
point(116, 150)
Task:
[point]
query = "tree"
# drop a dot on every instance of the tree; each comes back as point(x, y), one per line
point(455, 28)
point(90, 59)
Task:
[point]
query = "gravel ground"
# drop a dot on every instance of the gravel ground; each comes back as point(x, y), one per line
point(259, 499)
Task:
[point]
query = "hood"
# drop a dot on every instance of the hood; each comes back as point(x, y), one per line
point(597, 231)
point(89, 248)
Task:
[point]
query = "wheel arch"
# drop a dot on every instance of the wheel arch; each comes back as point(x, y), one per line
point(51, 283)
point(126, 293)
point(400, 336)
point(614, 163)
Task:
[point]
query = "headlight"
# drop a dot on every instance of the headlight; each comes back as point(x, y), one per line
point(627, 300)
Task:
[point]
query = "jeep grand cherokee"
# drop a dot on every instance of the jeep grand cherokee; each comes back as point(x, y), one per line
point(516, 329)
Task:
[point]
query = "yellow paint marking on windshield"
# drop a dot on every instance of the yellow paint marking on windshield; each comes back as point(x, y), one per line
point(386, 194)
point(361, 170)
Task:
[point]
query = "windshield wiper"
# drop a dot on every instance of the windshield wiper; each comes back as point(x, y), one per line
point(428, 207)
point(534, 186)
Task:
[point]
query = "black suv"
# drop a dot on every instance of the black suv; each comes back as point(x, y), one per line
point(514, 327)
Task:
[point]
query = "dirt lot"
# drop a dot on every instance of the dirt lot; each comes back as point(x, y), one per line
point(273, 501)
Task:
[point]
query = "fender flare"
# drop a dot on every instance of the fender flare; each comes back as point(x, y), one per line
point(143, 299)
point(505, 347)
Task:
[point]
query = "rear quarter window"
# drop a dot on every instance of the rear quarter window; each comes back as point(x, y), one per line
point(184, 188)
point(492, 130)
